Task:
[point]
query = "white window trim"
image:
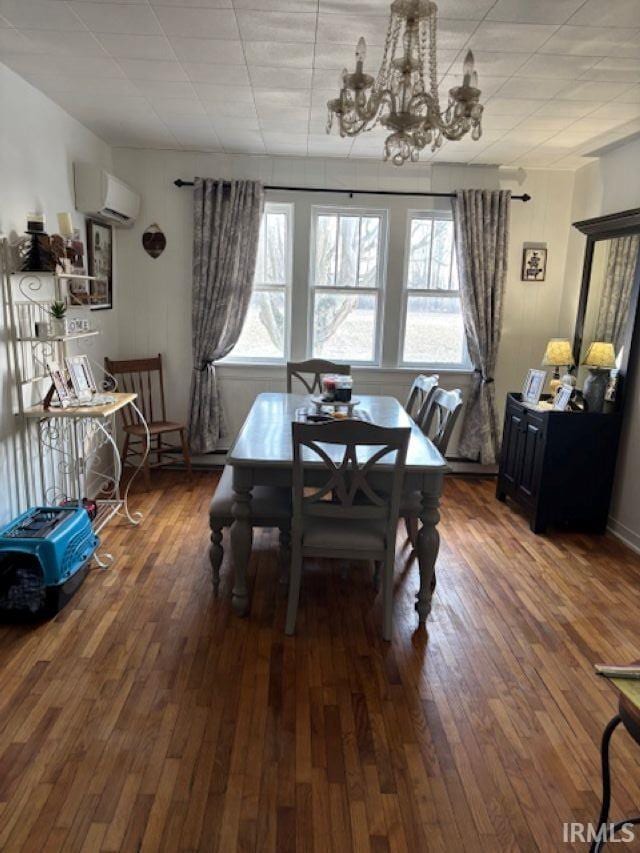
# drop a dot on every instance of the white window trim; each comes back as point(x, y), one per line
point(407, 291)
point(288, 209)
point(379, 291)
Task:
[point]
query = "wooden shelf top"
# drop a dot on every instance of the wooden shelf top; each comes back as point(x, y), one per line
point(121, 400)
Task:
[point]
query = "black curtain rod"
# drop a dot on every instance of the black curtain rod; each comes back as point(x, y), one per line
point(525, 197)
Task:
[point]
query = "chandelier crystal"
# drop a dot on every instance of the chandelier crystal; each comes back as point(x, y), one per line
point(404, 95)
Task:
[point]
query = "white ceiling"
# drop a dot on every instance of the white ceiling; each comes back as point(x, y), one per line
point(559, 77)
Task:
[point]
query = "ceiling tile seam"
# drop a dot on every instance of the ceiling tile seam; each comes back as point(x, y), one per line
point(86, 29)
point(171, 47)
point(313, 74)
point(253, 94)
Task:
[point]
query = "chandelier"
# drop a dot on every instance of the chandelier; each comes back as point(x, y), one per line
point(404, 96)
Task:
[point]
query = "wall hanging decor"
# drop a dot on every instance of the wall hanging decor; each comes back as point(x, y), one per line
point(153, 241)
point(534, 263)
point(100, 263)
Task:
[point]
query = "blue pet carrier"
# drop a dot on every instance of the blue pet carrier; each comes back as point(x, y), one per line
point(44, 557)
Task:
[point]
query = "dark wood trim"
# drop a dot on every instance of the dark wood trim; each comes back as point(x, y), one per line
point(611, 225)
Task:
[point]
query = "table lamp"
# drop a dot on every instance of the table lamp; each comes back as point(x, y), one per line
point(558, 354)
point(599, 358)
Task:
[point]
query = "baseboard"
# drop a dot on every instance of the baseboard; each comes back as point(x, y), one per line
point(630, 538)
point(467, 468)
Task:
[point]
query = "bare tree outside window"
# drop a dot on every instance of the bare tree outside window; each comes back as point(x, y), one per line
point(433, 328)
point(264, 334)
point(345, 280)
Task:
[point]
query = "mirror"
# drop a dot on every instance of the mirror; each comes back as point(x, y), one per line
point(613, 270)
point(607, 308)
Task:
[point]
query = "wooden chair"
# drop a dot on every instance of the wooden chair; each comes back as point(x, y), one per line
point(270, 507)
point(316, 367)
point(420, 396)
point(143, 376)
point(437, 424)
point(345, 517)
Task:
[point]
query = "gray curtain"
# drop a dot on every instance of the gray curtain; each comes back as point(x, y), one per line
point(616, 291)
point(481, 219)
point(227, 217)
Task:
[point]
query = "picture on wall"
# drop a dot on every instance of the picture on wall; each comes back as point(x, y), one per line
point(534, 264)
point(100, 264)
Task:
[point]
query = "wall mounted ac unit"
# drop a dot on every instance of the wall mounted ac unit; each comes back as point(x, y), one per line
point(103, 195)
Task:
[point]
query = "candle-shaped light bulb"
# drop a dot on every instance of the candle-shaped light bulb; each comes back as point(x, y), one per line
point(361, 50)
point(469, 63)
point(65, 225)
point(343, 76)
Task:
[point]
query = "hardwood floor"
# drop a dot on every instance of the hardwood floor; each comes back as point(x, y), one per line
point(147, 716)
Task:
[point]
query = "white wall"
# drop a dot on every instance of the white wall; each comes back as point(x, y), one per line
point(38, 144)
point(156, 294)
point(611, 186)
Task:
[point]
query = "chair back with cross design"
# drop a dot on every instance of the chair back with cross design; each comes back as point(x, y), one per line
point(310, 373)
point(348, 451)
point(441, 416)
point(420, 395)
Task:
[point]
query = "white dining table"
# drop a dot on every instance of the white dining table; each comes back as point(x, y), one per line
point(262, 455)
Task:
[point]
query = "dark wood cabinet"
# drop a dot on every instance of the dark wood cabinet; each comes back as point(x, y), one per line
point(559, 466)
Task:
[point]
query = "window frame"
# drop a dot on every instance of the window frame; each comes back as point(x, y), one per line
point(379, 291)
point(286, 207)
point(465, 364)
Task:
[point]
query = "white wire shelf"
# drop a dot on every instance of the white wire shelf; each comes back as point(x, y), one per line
point(60, 338)
point(57, 275)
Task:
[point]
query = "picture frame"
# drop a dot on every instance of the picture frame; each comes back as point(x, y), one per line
point(533, 385)
point(562, 398)
point(59, 383)
point(534, 263)
point(100, 265)
point(81, 375)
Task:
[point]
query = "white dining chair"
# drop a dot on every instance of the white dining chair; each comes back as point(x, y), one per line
point(337, 510)
point(422, 389)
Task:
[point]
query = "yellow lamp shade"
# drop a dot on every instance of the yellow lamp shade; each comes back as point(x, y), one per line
point(558, 353)
point(600, 354)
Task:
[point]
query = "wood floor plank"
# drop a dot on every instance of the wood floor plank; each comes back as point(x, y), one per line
point(146, 716)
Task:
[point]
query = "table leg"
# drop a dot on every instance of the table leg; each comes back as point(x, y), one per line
point(241, 539)
point(428, 545)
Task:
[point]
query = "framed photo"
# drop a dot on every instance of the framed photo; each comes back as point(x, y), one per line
point(533, 385)
point(561, 400)
point(81, 376)
point(100, 264)
point(59, 382)
point(534, 264)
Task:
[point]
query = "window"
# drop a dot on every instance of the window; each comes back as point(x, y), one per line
point(346, 281)
point(265, 334)
point(433, 332)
